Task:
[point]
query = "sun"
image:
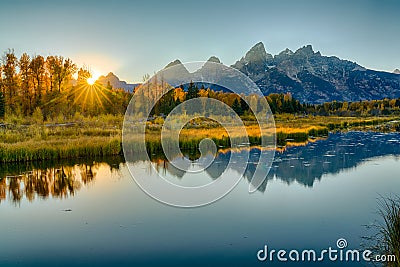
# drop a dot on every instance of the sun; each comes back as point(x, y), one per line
point(91, 80)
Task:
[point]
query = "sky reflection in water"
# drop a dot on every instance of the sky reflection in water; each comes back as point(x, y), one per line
point(80, 213)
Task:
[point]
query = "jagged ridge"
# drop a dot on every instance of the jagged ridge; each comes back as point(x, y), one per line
point(311, 77)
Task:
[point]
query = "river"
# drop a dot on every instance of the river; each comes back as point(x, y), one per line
point(92, 213)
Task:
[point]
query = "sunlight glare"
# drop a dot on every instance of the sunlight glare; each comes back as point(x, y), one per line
point(91, 80)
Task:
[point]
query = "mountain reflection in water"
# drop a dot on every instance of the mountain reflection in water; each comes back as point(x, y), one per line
point(306, 164)
point(301, 164)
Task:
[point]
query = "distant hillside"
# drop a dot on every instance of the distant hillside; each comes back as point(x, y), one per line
point(116, 82)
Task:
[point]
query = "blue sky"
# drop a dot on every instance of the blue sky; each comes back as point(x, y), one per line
point(132, 38)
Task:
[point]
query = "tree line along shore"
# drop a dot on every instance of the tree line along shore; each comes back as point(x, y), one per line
point(49, 110)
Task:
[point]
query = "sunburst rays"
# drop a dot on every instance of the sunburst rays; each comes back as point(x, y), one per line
point(87, 95)
point(84, 95)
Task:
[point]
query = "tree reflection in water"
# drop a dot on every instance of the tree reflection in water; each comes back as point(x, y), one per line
point(61, 181)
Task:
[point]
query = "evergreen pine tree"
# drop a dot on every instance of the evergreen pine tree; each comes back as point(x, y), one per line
point(244, 105)
point(237, 107)
point(193, 91)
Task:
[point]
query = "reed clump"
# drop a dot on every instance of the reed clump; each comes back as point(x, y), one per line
point(385, 240)
point(59, 149)
point(389, 234)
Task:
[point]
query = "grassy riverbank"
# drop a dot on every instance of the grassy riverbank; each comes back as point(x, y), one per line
point(52, 140)
point(101, 136)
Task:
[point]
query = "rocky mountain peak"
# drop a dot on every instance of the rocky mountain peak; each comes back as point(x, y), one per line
point(258, 53)
point(396, 71)
point(305, 50)
point(173, 63)
point(111, 75)
point(175, 73)
point(115, 82)
point(287, 52)
point(214, 59)
point(255, 62)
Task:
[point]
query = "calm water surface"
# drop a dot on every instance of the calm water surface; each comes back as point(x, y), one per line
point(93, 213)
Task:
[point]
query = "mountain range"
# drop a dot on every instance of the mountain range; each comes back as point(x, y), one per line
point(313, 78)
point(308, 75)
